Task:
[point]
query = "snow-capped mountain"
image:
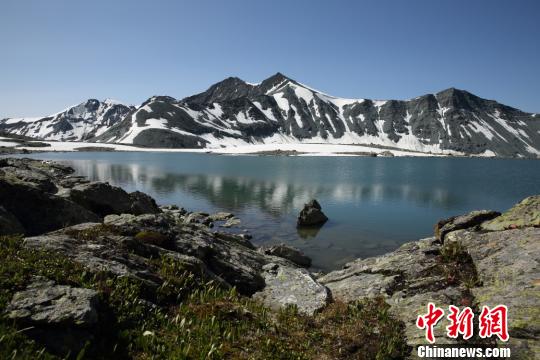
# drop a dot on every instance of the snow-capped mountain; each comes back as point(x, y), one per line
point(281, 110)
point(80, 122)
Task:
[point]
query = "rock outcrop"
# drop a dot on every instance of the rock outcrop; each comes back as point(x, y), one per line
point(38, 196)
point(60, 317)
point(524, 214)
point(311, 215)
point(465, 265)
point(286, 285)
point(125, 245)
point(28, 191)
point(466, 221)
point(104, 199)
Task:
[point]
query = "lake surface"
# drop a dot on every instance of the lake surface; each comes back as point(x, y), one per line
point(374, 204)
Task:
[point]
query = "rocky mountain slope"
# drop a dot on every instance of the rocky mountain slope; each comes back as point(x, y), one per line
point(281, 110)
point(77, 123)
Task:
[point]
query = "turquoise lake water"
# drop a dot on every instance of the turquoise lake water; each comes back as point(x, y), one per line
point(374, 204)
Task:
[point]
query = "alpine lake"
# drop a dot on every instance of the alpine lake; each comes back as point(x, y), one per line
point(373, 204)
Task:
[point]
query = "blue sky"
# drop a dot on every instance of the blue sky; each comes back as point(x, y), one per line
point(56, 53)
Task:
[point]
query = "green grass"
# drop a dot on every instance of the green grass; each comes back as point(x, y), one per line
point(194, 318)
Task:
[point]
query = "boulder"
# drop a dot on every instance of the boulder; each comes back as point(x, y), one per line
point(105, 199)
point(30, 178)
point(524, 214)
point(52, 312)
point(311, 215)
point(221, 216)
point(198, 217)
point(142, 203)
point(43, 302)
point(290, 253)
point(466, 221)
point(231, 223)
point(38, 211)
point(286, 286)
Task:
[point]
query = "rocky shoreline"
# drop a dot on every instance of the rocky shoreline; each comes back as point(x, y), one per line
point(482, 258)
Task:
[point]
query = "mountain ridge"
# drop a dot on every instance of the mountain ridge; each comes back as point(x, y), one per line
point(279, 109)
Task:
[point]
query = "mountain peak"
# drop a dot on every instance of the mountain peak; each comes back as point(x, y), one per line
point(276, 79)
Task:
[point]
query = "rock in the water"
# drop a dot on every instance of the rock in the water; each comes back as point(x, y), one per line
point(45, 303)
point(221, 216)
point(198, 217)
point(466, 221)
point(290, 253)
point(311, 215)
point(524, 214)
point(231, 222)
point(286, 285)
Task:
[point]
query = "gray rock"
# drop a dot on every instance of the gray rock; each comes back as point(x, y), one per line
point(290, 253)
point(466, 221)
point(62, 318)
point(142, 203)
point(231, 223)
point(71, 181)
point(221, 216)
point(286, 285)
point(524, 214)
point(197, 217)
point(105, 199)
point(508, 266)
point(311, 215)
point(45, 303)
point(408, 278)
point(38, 211)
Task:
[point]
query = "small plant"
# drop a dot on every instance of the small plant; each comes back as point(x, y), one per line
point(452, 251)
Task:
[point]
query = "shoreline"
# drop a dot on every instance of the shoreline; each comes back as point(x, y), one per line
point(282, 149)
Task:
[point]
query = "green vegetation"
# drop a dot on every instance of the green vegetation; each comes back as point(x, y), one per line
point(458, 265)
point(194, 318)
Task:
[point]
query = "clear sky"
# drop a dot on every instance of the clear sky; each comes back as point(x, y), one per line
point(57, 53)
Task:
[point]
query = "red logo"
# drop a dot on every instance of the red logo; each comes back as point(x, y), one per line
point(429, 321)
point(460, 322)
point(494, 322)
point(491, 322)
